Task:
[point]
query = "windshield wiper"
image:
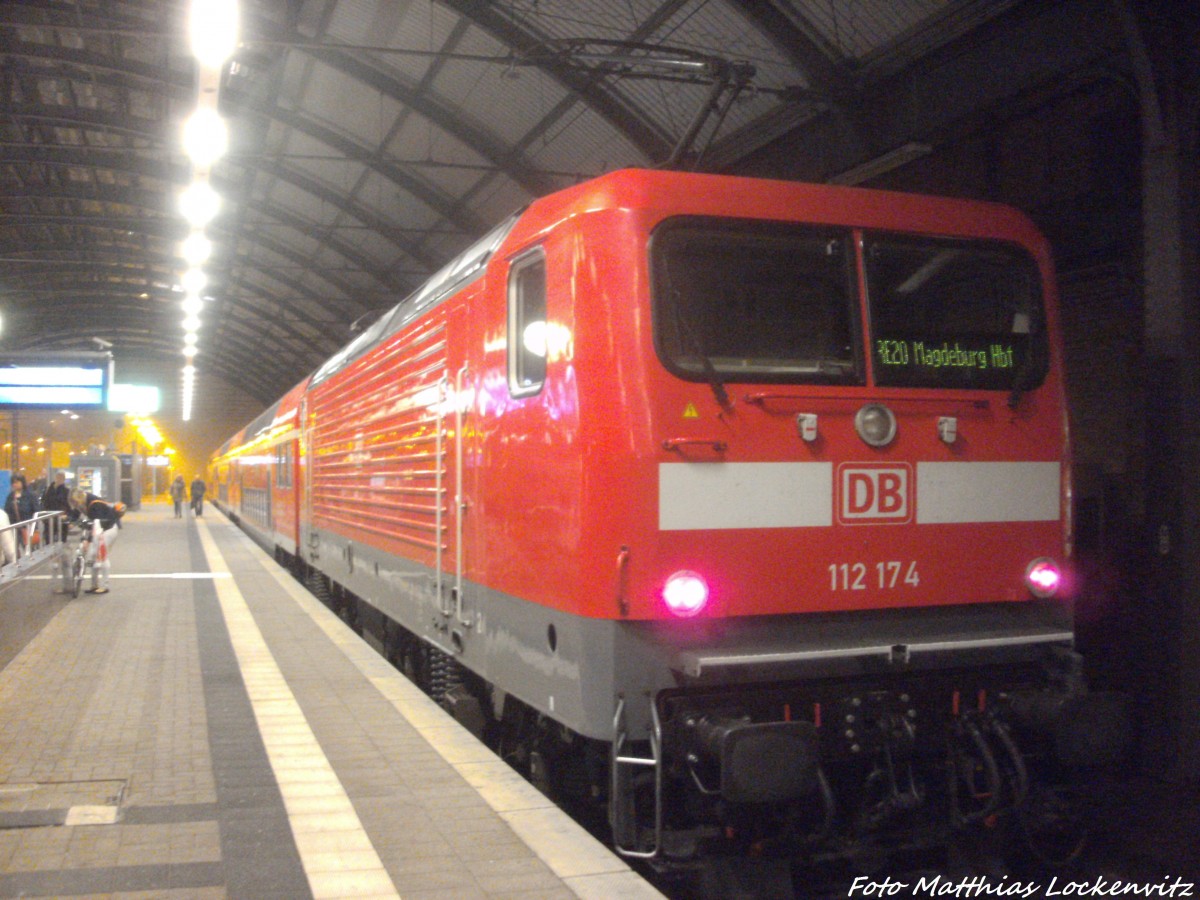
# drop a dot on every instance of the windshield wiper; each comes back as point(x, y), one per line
point(1020, 382)
point(714, 380)
point(697, 346)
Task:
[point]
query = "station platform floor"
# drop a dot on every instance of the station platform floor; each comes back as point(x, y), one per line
point(208, 729)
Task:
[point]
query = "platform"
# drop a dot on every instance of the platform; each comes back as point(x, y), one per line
point(208, 729)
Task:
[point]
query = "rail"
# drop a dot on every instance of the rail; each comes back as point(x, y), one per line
point(26, 544)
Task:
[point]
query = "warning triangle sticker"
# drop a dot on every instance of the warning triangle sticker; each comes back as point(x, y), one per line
point(690, 411)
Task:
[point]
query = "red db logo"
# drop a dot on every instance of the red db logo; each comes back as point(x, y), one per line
point(874, 494)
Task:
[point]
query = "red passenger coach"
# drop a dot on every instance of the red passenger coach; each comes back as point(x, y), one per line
point(742, 506)
point(256, 476)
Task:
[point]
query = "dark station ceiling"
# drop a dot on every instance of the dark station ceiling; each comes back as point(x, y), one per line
point(373, 139)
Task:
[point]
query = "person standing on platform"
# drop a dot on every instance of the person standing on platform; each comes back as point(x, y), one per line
point(20, 503)
point(103, 519)
point(198, 487)
point(20, 506)
point(57, 498)
point(178, 491)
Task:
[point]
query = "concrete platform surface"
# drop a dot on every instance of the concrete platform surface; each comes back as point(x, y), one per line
point(208, 729)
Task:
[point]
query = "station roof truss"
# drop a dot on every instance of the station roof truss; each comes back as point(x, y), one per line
point(372, 140)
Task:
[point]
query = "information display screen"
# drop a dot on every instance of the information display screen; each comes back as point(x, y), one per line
point(69, 380)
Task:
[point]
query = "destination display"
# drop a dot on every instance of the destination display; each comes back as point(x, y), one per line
point(946, 355)
point(987, 363)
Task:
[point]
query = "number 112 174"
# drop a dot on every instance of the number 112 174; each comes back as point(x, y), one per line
point(884, 576)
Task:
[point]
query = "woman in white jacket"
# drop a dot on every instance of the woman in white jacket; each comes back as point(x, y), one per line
point(104, 521)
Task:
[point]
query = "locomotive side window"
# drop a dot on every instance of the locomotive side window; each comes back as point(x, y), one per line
point(753, 301)
point(527, 325)
point(954, 314)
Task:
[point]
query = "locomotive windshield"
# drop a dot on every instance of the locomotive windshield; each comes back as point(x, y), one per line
point(754, 301)
point(758, 301)
point(954, 314)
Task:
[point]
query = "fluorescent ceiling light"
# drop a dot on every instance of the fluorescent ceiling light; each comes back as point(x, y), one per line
point(193, 280)
point(199, 203)
point(196, 249)
point(213, 31)
point(205, 137)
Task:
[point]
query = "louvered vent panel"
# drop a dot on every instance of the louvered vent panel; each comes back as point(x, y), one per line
point(379, 441)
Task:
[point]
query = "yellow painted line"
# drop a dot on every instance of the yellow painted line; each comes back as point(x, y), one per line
point(335, 850)
point(587, 868)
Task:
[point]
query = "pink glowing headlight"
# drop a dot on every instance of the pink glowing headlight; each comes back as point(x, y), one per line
point(1043, 577)
point(685, 594)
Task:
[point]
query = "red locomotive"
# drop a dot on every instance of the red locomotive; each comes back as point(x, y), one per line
point(741, 506)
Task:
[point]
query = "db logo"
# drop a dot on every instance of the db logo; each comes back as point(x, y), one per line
point(874, 493)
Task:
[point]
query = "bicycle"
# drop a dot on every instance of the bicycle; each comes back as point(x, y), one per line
point(81, 563)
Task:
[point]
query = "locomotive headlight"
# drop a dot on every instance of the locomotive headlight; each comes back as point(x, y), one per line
point(1043, 577)
point(875, 424)
point(685, 594)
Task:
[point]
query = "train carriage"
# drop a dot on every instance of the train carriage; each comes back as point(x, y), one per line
point(715, 496)
point(256, 476)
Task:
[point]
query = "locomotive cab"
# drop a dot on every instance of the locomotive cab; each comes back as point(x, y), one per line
point(855, 574)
